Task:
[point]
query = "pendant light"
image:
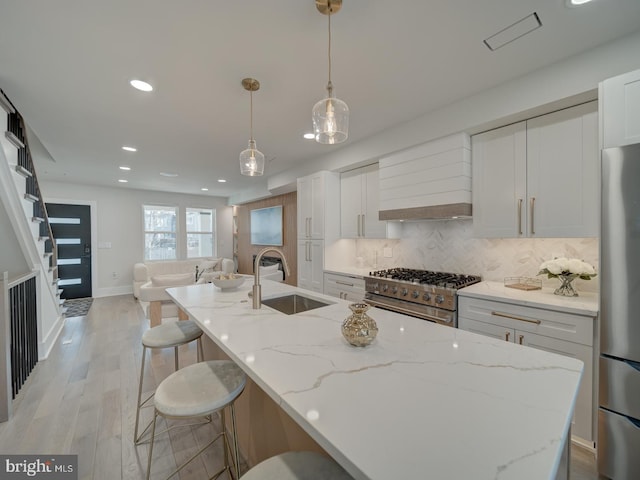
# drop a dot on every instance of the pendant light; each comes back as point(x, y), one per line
point(251, 159)
point(331, 115)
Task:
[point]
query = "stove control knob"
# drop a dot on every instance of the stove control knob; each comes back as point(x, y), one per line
point(415, 294)
point(439, 299)
point(404, 292)
point(394, 290)
point(385, 287)
point(426, 297)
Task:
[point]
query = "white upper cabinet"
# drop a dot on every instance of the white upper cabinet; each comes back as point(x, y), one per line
point(621, 110)
point(538, 178)
point(499, 168)
point(359, 194)
point(319, 206)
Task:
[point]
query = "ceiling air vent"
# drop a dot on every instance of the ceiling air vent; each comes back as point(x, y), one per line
point(513, 32)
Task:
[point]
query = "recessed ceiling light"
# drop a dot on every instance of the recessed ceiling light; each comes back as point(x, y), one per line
point(309, 136)
point(222, 180)
point(168, 174)
point(130, 149)
point(122, 180)
point(576, 3)
point(125, 168)
point(204, 189)
point(140, 85)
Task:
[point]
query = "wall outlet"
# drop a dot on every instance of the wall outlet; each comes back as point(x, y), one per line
point(114, 274)
point(387, 252)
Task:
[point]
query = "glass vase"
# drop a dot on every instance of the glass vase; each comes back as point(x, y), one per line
point(359, 329)
point(566, 288)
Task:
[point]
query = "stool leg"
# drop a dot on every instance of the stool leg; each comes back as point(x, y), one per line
point(144, 354)
point(200, 354)
point(153, 435)
point(236, 455)
point(175, 354)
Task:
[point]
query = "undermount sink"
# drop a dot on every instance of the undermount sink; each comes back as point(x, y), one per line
point(294, 303)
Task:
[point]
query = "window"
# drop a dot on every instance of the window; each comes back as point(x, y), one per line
point(160, 229)
point(200, 232)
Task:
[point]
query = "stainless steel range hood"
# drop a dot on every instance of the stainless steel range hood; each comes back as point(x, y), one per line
point(432, 212)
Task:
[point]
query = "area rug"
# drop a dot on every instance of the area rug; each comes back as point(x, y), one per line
point(77, 307)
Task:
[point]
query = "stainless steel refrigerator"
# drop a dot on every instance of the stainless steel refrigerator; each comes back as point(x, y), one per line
point(618, 446)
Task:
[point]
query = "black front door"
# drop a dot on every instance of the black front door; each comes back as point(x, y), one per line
point(71, 226)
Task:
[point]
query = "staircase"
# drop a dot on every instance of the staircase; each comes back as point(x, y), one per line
point(20, 193)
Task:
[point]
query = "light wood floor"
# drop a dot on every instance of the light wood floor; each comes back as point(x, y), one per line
point(82, 399)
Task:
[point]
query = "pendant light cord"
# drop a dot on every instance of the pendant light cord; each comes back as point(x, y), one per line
point(329, 46)
point(251, 113)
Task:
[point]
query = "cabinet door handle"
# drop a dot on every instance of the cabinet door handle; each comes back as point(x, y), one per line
point(521, 339)
point(309, 250)
point(308, 226)
point(358, 225)
point(344, 283)
point(506, 336)
point(506, 315)
point(362, 229)
point(533, 205)
point(519, 216)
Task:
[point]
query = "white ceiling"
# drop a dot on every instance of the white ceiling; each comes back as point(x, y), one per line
point(66, 65)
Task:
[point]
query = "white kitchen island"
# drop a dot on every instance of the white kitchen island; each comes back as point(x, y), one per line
point(423, 401)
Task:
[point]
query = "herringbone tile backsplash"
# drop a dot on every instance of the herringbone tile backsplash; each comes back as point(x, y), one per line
point(449, 246)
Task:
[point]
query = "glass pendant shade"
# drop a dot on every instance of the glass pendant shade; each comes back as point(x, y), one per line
point(330, 120)
point(252, 161)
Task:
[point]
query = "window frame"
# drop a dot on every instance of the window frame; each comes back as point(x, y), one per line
point(212, 232)
point(175, 231)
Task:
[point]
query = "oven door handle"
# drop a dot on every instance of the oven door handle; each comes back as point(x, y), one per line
point(396, 308)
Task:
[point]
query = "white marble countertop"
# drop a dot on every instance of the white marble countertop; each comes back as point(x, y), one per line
point(353, 271)
point(585, 304)
point(422, 401)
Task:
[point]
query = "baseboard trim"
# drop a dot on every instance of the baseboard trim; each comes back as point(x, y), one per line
point(113, 291)
point(44, 348)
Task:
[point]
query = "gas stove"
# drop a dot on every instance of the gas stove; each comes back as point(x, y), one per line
point(420, 293)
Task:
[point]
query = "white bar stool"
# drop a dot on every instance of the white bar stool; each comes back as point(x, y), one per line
point(297, 466)
point(200, 390)
point(166, 335)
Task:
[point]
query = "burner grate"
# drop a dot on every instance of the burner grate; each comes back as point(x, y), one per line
point(427, 277)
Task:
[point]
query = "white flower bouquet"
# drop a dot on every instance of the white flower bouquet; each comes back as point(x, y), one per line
point(567, 267)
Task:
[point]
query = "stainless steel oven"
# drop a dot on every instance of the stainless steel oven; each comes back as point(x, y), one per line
point(420, 293)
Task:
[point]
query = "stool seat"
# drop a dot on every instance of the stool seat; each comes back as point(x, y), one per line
point(171, 334)
point(199, 389)
point(297, 466)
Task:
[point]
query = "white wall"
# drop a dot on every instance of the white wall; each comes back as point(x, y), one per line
point(11, 257)
point(119, 222)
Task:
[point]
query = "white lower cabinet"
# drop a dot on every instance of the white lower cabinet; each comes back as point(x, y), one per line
point(311, 265)
point(554, 331)
point(345, 286)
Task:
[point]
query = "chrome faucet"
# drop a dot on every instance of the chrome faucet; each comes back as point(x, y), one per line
point(256, 292)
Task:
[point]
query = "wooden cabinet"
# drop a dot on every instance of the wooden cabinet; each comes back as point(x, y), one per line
point(620, 110)
point(359, 195)
point(311, 264)
point(347, 287)
point(319, 206)
point(551, 330)
point(538, 178)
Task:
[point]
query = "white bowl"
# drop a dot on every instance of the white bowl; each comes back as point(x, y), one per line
point(228, 284)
